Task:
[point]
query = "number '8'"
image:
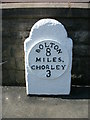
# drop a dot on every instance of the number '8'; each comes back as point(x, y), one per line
point(48, 52)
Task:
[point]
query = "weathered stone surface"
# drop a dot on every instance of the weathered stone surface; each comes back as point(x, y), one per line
point(82, 37)
point(14, 63)
point(16, 25)
point(80, 71)
point(80, 65)
point(20, 77)
point(9, 76)
point(10, 64)
point(12, 76)
point(5, 77)
point(20, 65)
point(42, 12)
point(81, 50)
point(79, 37)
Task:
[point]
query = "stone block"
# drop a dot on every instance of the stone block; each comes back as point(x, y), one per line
point(12, 77)
point(45, 12)
point(10, 64)
point(80, 65)
point(80, 71)
point(20, 77)
point(20, 63)
point(82, 37)
point(5, 77)
point(81, 51)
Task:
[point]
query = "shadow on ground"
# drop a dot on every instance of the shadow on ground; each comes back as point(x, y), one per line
point(77, 92)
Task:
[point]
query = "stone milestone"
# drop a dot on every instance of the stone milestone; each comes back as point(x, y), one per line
point(48, 59)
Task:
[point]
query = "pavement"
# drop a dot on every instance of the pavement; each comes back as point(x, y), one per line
point(16, 104)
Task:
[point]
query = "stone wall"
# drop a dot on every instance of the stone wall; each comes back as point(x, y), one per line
point(16, 25)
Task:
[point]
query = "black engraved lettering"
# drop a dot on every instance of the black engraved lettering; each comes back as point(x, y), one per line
point(33, 67)
point(38, 59)
point(57, 67)
point(59, 51)
point(59, 59)
point(48, 73)
point(47, 66)
point(54, 59)
point(62, 60)
point(43, 67)
point(38, 67)
point(63, 67)
point(56, 47)
point(48, 60)
point(52, 44)
point(40, 46)
point(52, 68)
point(43, 59)
point(46, 45)
point(48, 52)
point(38, 50)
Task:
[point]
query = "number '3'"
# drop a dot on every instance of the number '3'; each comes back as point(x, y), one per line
point(48, 73)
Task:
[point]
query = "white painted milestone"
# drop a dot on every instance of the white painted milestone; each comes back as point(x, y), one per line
point(48, 59)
